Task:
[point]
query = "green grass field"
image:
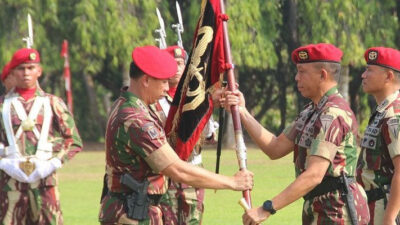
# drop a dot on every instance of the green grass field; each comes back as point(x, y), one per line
point(81, 183)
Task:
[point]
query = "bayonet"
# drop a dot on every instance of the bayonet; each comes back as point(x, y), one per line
point(29, 39)
point(161, 31)
point(178, 27)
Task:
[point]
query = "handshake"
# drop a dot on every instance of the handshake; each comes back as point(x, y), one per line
point(29, 170)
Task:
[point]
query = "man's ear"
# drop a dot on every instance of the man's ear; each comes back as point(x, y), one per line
point(324, 74)
point(390, 76)
point(145, 80)
point(40, 70)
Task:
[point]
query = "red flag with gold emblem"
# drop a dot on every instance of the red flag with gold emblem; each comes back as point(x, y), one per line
point(192, 105)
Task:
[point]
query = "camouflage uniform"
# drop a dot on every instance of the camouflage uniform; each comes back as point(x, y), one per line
point(328, 130)
point(181, 200)
point(379, 145)
point(37, 202)
point(134, 137)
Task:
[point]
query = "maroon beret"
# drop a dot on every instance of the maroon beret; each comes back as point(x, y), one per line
point(154, 62)
point(5, 72)
point(321, 52)
point(176, 51)
point(24, 55)
point(381, 56)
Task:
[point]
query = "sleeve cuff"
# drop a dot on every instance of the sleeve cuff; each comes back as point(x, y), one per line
point(324, 149)
point(162, 158)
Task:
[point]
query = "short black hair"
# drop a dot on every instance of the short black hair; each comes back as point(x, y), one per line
point(134, 71)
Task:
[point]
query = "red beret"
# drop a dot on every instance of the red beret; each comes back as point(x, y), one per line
point(24, 55)
point(154, 62)
point(321, 52)
point(381, 56)
point(5, 72)
point(176, 51)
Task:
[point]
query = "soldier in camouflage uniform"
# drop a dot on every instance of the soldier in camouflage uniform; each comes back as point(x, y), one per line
point(378, 166)
point(182, 204)
point(136, 146)
point(37, 136)
point(323, 139)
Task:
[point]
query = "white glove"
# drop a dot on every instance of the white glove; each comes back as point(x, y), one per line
point(43, 168)
point(11, 167)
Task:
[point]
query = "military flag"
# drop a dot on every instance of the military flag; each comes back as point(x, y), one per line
point(192, 105)
point(67, 75)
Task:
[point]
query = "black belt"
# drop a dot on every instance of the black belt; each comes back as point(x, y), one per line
point(154, 199)
point(378, 193)
point(328, 184)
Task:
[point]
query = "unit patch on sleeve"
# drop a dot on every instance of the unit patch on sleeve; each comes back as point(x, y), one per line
point(151, 130)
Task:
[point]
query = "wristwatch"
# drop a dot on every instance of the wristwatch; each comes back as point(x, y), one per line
point(267, 206)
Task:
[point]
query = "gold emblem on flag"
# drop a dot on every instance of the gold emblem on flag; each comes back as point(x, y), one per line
point(27, 167)
point(32, 56)
point(28, 124)
point(303, 55)
point(372, 55)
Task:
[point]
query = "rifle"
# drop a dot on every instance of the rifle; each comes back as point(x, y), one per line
point(178, 27)
point(29, 38)
point(137, 203)
point(161, 31)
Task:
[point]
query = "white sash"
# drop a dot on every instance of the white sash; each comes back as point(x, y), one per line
point(44, 148)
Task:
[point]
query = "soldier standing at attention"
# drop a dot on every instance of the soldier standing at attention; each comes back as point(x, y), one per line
point(138, 156)
point(182, 204)
point(378, 169)
point(323, 138)
point(37, 136)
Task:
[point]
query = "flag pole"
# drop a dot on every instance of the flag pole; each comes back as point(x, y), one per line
point(67, 75)
point(240, 145)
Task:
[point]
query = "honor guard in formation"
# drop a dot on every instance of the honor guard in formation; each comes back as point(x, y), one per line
point(378, 169)
point(37, 135)
point(323, 138)
point(138, 157)
point(182, 204)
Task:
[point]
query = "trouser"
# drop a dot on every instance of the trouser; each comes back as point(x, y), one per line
point(112, 212)
point(34, 206)
point(330, 208)
point(182, 205)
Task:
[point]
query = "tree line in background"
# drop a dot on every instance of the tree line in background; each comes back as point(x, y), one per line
point(103, 33)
